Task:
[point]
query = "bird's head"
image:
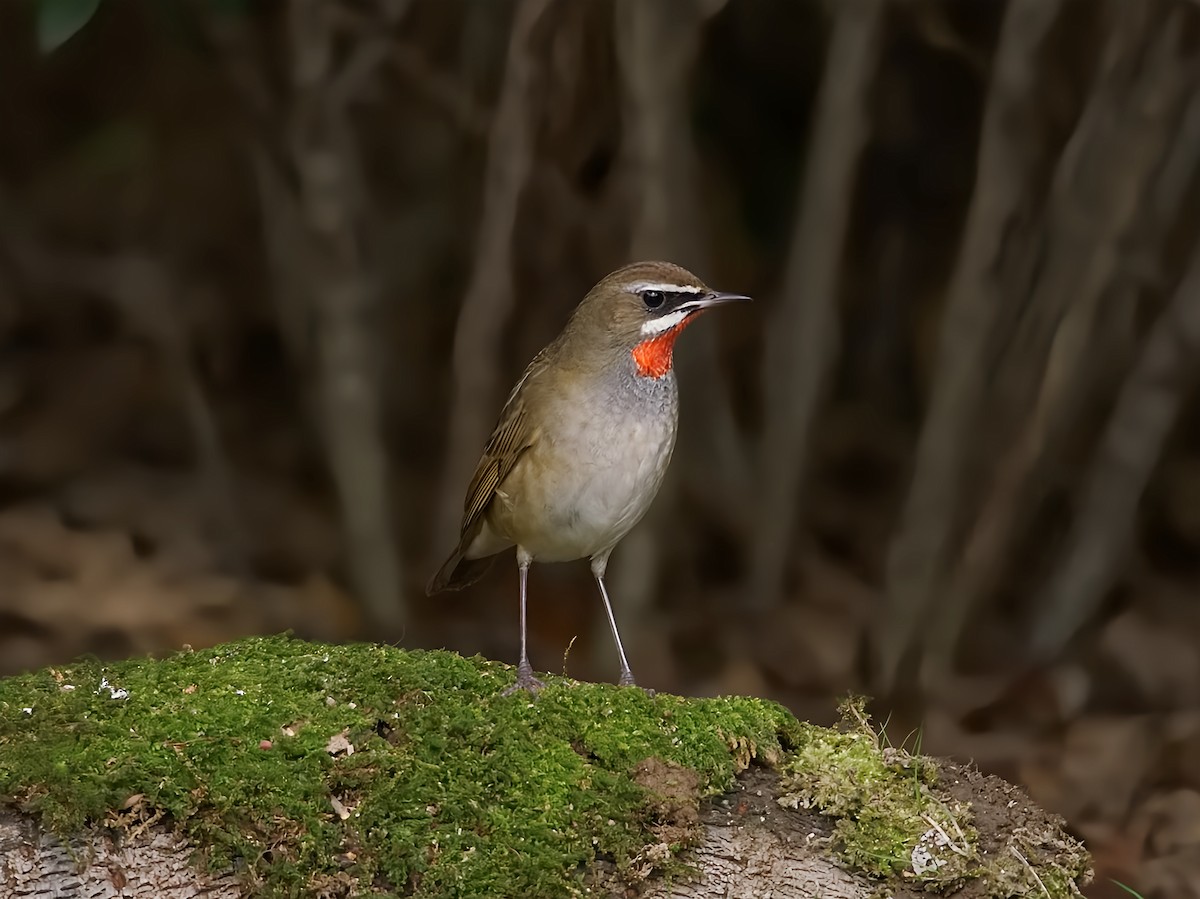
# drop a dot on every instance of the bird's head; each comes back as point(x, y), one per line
point(640, 310)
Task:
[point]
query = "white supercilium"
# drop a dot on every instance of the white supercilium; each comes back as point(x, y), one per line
point(639, 286)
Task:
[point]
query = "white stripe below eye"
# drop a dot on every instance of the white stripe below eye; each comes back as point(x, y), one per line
point(665, 322)
point(639, 286)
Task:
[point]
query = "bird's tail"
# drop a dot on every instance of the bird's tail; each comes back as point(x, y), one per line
point(458, 572)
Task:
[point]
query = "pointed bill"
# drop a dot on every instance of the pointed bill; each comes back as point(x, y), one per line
point(687, 309)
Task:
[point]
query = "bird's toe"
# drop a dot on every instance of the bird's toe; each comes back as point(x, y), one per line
point(525, 681)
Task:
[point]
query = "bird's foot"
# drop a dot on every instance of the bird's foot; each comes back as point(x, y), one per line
point(525, 681)
point(626, 680)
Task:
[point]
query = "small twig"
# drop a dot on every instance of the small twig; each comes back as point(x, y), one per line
point(953, 820)
point(567, 652)
point(964, 850)
point(1029, 868)
point(863, 722)
point(141, 827)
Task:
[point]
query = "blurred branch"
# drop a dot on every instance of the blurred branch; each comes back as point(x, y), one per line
point(1146, 409)
point(917, 556)
point(442, 92)
point(657, 45)
point(802, 340)
point(489, 297)
point(283, 227)
point(1092, 224)
point(409, 62)
point(1147, 405)
point(244, 69)
point(933, 26)
point(320, 139)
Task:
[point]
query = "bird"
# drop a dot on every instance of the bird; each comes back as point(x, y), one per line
point(583, 440)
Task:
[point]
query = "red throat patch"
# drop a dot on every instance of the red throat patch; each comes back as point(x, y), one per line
point(653, 356)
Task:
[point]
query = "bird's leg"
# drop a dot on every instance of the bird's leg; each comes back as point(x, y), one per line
point(598, 566)
point(525, 679)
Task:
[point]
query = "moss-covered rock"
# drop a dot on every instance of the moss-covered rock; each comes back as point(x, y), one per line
point(930, 825)
point(327, 770)
point(408, 772)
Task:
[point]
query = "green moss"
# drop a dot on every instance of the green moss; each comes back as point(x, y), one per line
point(451, 789)
point(894, 819)
point(887, 820)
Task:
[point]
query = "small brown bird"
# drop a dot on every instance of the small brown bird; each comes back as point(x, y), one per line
point(584, 439)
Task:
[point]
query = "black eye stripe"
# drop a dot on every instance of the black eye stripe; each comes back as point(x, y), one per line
point(654, 298)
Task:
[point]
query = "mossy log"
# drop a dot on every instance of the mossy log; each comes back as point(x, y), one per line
point(283, 768)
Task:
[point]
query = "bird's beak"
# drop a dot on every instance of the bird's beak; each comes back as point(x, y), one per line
point(713, 298)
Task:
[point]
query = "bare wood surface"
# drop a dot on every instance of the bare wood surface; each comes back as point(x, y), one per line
point(735, 859)
point(155, 865)
point(753, 847)
point(740, 861)
point(749, 844)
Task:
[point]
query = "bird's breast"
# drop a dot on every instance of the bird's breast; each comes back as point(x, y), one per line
point(593, 472)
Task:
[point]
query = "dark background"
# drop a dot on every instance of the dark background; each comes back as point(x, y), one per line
point(268, 270)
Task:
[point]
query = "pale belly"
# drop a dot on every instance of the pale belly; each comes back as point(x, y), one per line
point(572, 498)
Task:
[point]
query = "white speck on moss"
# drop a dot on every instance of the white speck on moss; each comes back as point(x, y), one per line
point(923, 857)
point(114, 692)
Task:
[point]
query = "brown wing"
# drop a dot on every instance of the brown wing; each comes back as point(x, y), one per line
point(507, 444)
point(509, 440)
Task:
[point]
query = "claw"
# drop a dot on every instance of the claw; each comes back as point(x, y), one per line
point(525, 681)
point(626, 680)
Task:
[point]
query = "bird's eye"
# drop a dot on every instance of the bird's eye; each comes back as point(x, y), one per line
point(653, 298)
